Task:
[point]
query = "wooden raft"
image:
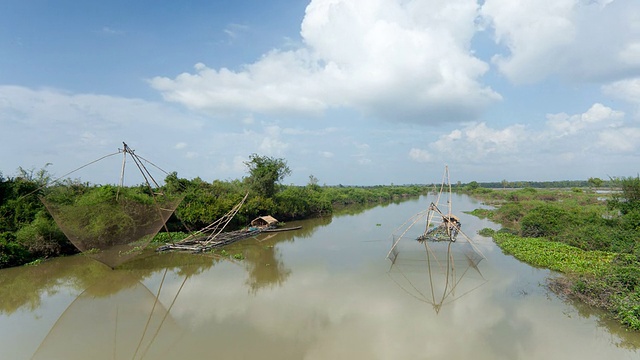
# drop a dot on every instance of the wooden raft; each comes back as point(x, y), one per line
point(203, 243)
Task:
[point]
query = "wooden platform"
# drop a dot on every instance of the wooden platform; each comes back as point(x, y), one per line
point(197, 244)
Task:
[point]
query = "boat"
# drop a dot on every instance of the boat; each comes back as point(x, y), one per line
point(282, 229)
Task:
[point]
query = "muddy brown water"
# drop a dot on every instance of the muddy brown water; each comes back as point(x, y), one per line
point(326, 291)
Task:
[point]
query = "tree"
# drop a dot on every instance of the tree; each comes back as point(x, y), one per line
point(265, 172)
point(313, 182)
point(595, 182)
point(473, 185)
point(629, 199)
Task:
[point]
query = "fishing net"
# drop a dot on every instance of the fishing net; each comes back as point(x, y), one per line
point(112, 230)
point(430, 255)
point(437, 273)
point(109, 223)
point(116, 318)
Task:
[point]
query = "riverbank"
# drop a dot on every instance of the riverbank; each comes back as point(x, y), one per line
point(594, 241)
point(103, 213)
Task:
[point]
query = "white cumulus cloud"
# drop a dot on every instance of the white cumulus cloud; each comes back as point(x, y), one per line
point(598, 116)
point(576, 39)
point(600, 136)
point(420, 155)
point(628, 90)
point(397, 60)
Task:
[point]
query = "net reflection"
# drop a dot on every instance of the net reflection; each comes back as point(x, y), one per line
point(436, 273)
point(117, 317)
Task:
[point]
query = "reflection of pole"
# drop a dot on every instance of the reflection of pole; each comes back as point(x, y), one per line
point(144, 353)
point(144, 332)
point(433, 294)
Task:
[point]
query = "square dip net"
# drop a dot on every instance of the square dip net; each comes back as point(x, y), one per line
point(112, 224)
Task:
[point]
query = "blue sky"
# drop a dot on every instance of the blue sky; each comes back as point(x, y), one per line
point(354, 92)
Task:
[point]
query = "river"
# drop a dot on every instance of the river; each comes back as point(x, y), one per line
point(326, 291)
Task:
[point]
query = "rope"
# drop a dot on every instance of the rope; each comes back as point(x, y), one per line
point(69, 173)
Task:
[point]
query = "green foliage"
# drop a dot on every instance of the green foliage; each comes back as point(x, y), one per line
point(559, 184)
point(107, 212)
point(313, 183)
point(486, 232)
point(42, 237)
point(109, 194)
point(627, 309)
point(483, 213)
point(510, 212)
point(257, 206)
point(26, 229)
point(628, 200)
point(555, 255)
point(595, 182)
point(265, 173)
point(473, 186)
point(597, 243)
point(205, 202)
point(295, 202)
point(174, 184)
point(527, 193)
point(12, 253)
point(168, 237)
point(544, 220)
point(19, 203)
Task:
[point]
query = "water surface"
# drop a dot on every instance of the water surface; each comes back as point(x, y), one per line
point(326, 291)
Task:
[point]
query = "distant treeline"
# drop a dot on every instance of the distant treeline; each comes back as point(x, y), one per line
point(559, 184)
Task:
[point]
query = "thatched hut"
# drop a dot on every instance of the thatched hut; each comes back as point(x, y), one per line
point(264, 222)
point(451, 219)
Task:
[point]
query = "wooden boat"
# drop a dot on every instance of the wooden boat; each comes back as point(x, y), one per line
point(282, 229)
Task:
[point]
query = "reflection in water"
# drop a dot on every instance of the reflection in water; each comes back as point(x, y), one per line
point(265, 267)
point(430, 264)
point(439, 273)
point(263, 259)
point(102, 319)
point(332, 295)
point(116, 316)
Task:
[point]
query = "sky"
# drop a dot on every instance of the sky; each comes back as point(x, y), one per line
point(351, 92)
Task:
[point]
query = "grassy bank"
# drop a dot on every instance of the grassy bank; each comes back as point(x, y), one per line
point(593, 241)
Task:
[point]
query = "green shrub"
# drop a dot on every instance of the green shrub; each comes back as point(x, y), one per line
point(627, 309)
point(168, 237)
point(486, 232)
point(512, 212)
point(43, 238)
point(545, 220)
point(12, 253)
